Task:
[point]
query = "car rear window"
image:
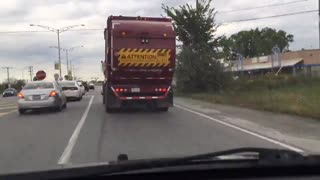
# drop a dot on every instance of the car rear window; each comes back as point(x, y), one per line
point(68, 84)
point(43, 85)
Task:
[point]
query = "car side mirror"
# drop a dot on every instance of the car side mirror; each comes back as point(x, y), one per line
point(81, 85)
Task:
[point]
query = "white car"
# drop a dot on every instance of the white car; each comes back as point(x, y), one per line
point(72, 90)
point(82, 88)
point(40, 95)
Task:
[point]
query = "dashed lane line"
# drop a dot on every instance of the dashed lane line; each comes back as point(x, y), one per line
point(65, 157)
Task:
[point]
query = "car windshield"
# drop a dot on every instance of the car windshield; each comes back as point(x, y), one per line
point(155, 79)
point(42, 85)
point(68, 84)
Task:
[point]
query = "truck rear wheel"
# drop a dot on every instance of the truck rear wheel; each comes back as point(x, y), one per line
point(105, 99)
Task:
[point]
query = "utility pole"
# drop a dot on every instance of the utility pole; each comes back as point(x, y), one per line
point(197, 4)
point(319, 22)
point(31, 72)
point(8, 75)
point(67, 58)
point(67, 55)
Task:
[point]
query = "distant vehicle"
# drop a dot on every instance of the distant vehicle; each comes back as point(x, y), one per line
point(71, 90)
point(41, 94)
point(82, 88)
point(140, 62)
point(9, 92)
point(86, 86)
point(91, 86)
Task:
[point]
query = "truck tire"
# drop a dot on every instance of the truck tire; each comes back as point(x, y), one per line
point(22, 111)
point(105, 98)
point(103, 93)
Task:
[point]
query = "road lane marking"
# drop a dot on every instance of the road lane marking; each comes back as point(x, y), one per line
point(65, 157)
point(244, 130)
point(5, 105)
point(9, 107)
point(3, 114)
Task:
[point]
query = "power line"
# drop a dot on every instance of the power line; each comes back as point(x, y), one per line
point(269, 17)
point(17, 32)
point(260, 7)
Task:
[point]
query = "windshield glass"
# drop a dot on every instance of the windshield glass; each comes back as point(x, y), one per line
point(43, 85)
point(68, 84)
point(155, 79)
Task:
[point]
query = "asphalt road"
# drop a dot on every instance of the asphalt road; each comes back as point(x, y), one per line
point(83, 133)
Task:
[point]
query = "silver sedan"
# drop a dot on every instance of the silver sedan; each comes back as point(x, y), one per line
point(41, 94)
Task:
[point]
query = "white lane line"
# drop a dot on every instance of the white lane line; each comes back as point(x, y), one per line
point(9, 107)
point(243, 130)
point(65, 157)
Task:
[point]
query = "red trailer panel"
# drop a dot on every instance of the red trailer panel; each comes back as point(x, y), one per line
point(140, 61)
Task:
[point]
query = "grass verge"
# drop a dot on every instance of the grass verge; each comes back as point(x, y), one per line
point(301, 98)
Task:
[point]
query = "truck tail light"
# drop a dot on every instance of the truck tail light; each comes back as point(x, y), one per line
point(20, 96)
point(53, 94)
point(161, 90)
point(120, 90)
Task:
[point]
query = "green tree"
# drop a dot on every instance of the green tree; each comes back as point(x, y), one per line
point(256, 42)
point(198, 68)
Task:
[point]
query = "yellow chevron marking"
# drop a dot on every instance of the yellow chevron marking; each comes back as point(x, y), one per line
point(134, 50)
point(144, 57)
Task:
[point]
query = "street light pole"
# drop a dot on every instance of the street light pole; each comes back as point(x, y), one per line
point(58, 31)
point(67, 58)
point(67, 55)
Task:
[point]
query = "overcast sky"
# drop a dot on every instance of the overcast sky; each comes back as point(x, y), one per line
point(19, 50)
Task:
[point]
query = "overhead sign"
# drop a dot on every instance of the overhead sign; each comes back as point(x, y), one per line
point(41, 75)
point(144, 57)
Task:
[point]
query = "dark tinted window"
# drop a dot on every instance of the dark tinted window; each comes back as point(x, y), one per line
point(44, 85)
point(68, 84)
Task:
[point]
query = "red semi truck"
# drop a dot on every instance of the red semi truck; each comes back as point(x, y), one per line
point(139, 64)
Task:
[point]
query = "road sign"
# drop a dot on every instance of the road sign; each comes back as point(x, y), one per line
point(41, 75)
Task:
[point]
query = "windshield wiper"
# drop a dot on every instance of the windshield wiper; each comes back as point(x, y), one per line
point(253, 157)
point(260, 156)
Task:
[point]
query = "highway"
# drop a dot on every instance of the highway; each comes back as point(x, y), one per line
point(83, 133)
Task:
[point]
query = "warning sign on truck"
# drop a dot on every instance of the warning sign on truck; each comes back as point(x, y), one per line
point(144, 57)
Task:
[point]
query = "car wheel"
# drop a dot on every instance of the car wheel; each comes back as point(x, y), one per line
point(164, 109)
point(22, 111)
point(65, 105)
point(58, 109)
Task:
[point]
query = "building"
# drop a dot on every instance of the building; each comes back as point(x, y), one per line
point(304, 62)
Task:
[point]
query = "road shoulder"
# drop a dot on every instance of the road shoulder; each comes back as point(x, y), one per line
point(294, 130)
